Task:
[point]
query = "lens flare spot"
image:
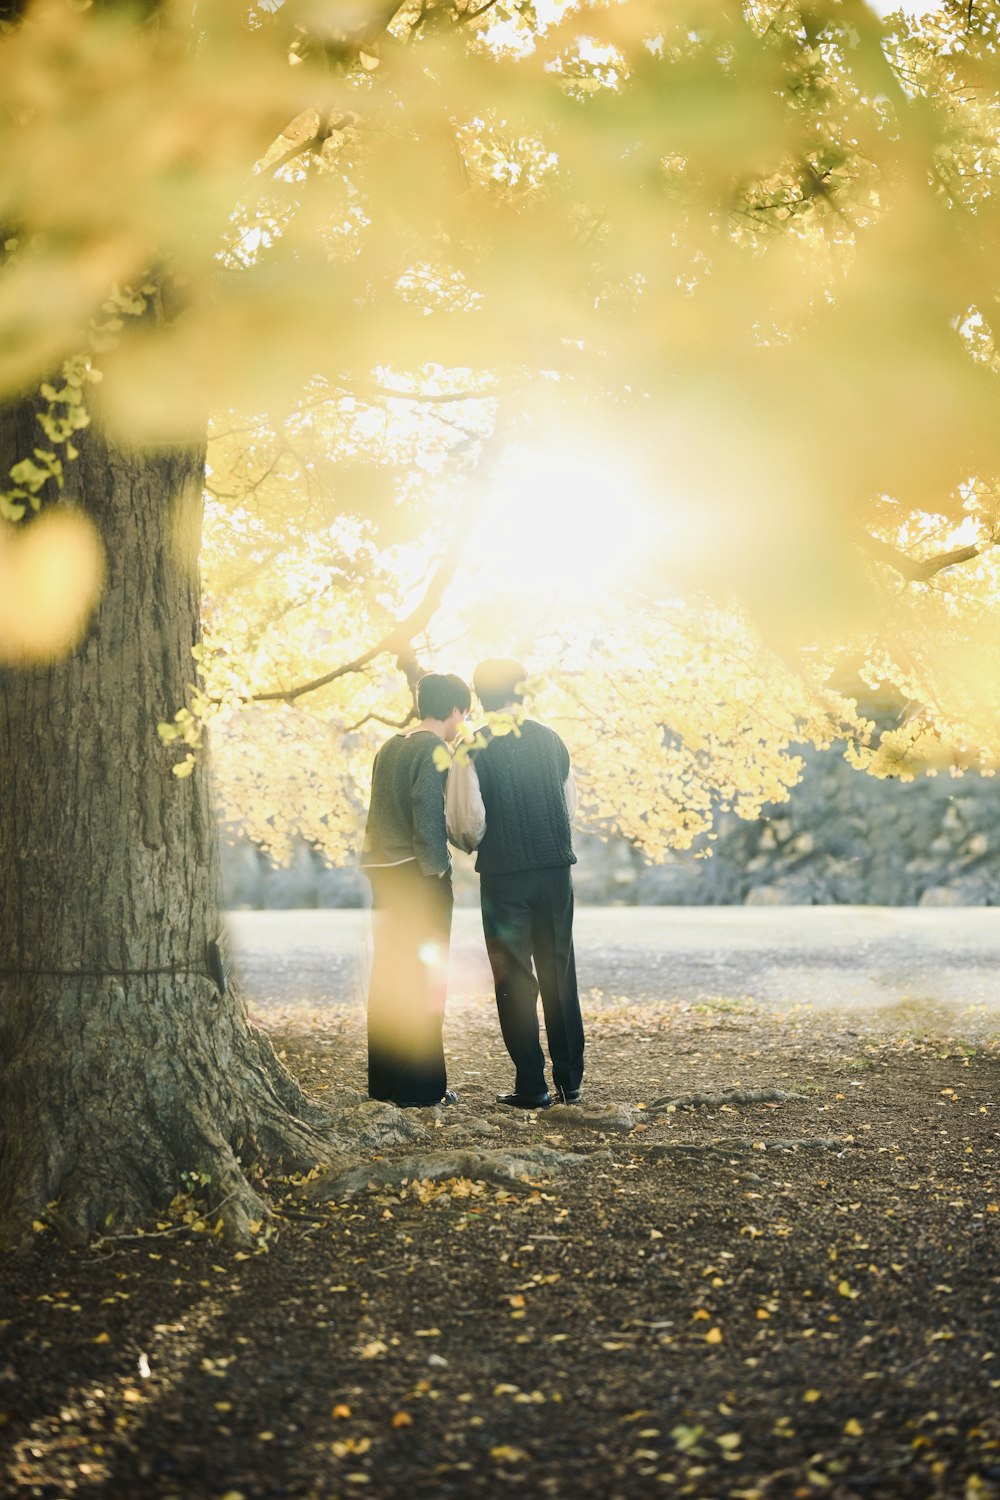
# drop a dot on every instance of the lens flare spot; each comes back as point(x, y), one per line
point(51, 571)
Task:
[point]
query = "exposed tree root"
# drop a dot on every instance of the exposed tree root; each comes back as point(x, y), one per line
point(725, 1096)
point(619, 1118)
point(723, 1146)
point(505, 1167)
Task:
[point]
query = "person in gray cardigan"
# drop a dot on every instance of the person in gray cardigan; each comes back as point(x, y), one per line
point(405, 857)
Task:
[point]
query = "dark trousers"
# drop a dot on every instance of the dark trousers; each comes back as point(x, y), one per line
point(529, 916)
point(411, 925)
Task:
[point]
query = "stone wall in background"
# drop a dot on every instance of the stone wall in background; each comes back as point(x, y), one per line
point(843, 837)
point(251, 880)
point(846, 837)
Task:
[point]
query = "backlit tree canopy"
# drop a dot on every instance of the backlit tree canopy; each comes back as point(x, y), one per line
point(652, 342)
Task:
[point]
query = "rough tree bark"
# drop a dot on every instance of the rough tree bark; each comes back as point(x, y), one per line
point(121, 1067)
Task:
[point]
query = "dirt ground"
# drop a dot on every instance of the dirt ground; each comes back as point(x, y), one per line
point(781, 1297)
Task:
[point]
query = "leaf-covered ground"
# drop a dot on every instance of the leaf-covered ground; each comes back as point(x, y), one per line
point(791, 1297)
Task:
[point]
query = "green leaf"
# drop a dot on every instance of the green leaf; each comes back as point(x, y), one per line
point(30, 474)
point(10, 509)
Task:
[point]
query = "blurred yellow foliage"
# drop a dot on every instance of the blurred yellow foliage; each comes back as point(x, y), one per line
point(663, 334)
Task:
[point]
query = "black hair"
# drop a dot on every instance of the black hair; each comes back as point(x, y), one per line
point(437, 695)
point(497, 682)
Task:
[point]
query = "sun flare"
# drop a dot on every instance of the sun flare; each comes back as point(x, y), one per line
point(563, 523)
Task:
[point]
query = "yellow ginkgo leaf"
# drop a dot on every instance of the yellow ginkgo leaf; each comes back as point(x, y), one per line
point(505, 1454)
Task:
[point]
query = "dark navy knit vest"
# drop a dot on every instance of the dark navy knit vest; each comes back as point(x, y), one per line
point(522, 778)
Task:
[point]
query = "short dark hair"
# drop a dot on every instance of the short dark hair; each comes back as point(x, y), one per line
point(437, 695)
point(497, 682)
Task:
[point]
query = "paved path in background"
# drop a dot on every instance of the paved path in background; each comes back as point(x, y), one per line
point(857, 956)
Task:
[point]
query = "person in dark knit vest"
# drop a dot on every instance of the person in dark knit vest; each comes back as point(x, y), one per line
point(405, 857)
point(512, 802)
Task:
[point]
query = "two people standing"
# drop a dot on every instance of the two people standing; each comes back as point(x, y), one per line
point(511, 800)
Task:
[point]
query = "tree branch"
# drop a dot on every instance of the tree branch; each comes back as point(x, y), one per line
point(340, 50)
point(314, 143)
point(380, 719)
point(922, 569)
point(462, 18)
point(397, 640)
point(365, 390)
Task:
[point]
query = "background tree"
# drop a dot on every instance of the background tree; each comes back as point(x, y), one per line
point(734, 263)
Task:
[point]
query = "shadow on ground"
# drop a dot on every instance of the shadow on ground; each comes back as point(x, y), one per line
point(787, 1286)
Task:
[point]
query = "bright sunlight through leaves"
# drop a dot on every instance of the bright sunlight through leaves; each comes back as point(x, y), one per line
point(560, 523)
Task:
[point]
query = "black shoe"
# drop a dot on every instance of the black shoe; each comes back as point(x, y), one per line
point(526, 1101)
point(567, 1096)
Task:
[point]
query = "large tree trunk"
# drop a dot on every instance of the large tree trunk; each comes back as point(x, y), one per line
point(121, 1067)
